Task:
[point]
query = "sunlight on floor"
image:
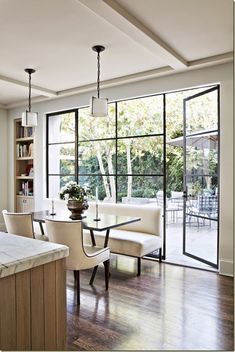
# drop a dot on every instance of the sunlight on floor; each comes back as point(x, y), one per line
point(196, 236)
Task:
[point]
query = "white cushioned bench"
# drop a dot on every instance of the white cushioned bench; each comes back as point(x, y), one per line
point(136, 239)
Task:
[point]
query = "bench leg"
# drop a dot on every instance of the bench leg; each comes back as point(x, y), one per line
point(138, 266)
point(77, 280)
point(106, 270)
point(160, 255)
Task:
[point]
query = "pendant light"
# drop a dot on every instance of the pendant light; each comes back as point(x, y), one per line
point(29, 118)
point(99, 106)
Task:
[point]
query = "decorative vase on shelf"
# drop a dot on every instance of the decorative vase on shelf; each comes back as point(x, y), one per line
point(77, 208)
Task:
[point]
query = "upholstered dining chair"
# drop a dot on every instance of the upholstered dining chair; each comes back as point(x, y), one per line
point(21, 224)
point(80, 257)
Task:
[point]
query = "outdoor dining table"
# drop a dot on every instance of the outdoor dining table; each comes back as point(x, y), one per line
point(106, 222)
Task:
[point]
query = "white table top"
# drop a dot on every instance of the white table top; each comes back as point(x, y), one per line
point(19, 253)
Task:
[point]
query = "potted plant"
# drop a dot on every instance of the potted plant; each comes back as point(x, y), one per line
point(76, 196)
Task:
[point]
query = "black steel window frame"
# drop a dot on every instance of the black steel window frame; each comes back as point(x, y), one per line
point(75, 111)
point(163, 134)
point(186, 176)
point(116, 138)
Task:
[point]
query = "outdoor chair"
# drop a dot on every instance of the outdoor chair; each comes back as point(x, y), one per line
point(80, 257)
point(177, 199)
point(204, 206)
point(173, 205)
point(21, 224)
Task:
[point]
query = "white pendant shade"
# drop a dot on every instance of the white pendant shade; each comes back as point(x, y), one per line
point(29, 119)
point(99, 107)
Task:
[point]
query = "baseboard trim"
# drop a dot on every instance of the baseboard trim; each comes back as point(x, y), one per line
point(226, 268)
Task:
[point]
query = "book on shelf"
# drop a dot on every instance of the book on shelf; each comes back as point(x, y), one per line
point(30, 151)
point(24, 150)
point(17, 150)
point(25, 132)
point(26, 188)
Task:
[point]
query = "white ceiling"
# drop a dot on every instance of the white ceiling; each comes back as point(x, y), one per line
point(55, 38)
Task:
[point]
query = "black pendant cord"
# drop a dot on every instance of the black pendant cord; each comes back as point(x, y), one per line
point(29, 71)
point(29, 92)
point(98, 49)
point(98, 74)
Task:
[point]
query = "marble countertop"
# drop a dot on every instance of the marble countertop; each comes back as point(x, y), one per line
point(19, 253)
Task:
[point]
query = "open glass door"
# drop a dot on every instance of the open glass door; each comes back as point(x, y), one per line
point(201, 176)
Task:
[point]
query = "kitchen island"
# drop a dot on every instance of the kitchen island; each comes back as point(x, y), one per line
point(32, 294)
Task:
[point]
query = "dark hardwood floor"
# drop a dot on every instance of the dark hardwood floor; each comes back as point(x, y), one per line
point(167, 308)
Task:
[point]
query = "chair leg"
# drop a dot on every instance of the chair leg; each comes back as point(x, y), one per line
point(78, 285)
point(160, 255)
point(138, 266)
point(106, 271)
point(74, 275)
point(93, 275)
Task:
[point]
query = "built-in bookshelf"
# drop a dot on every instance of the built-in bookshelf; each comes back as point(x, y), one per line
point(24, 168)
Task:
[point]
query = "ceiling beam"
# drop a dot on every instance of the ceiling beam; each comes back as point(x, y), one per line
point(104, 84)
point(211, 60)
point(136, 77)
point(117, 16)
point(36, 89)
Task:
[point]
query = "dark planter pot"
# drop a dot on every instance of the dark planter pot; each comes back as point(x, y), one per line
point(77, 208)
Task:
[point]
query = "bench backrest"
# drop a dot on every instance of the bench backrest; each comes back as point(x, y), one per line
point(150, 216)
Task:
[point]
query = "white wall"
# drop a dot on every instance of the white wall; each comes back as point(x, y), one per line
point(222, 74)
point(3, 165)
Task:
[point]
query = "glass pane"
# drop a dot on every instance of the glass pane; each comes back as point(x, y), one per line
point(175, 113)
point(202, 113)
point(140, 116)
point(174, 169)
point(61, 158)
point(106, 187)
point(138, 189)
point(201, 239)
point(202, 185)
point(98, 127)
point(142, 155)
point(202, 154)
point(203, 196)
point(97, 157)
point(62, 128)
point(175, 143)
point(56, 183)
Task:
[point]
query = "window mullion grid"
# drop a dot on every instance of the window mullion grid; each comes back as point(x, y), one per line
point(47, 156)
point(76, 144)
point(122, 137)
point(164, 176)
point(58, 143)
point(116, 146)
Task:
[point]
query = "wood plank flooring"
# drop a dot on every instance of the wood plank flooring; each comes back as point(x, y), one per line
point(167, 308)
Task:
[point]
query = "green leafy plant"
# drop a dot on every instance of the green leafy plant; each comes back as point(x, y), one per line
point(73, 191)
